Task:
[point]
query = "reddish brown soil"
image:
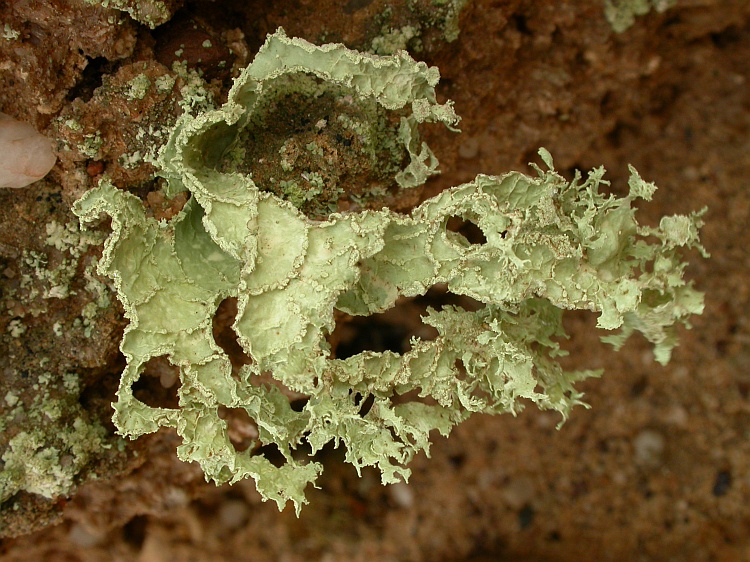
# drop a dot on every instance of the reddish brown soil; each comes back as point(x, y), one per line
point(657, 469)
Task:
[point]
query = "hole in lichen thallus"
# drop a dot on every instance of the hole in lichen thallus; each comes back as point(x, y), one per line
point(394, 329)
point(225, 336)
point(377, 332)
point(365, 405)
point(161, 207)
point(467, 231)
point(241, 429)
point(273, 454)
point(158, 384)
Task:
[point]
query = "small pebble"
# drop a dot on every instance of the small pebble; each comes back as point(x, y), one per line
point(233, 514)
point(469, 148)
point(27, 154)
point(649, 448)
point(402, 495)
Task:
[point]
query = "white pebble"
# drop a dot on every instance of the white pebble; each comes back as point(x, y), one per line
point(402, 494)
point(25, 155)
point(649, 448)
point(233, 514)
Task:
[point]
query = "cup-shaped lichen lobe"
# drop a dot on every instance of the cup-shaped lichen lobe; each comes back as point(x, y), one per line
point(212, 145)
point(319, 144)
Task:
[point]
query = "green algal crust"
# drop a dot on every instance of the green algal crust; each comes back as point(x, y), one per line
point(550, 245)
point(621, 14)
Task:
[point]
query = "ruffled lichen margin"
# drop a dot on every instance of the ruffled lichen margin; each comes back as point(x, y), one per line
point(550, 245)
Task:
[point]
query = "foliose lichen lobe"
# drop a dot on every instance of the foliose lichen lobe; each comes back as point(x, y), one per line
point(549, 245)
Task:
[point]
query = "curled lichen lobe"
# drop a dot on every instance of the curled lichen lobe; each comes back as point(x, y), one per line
point(320, 145)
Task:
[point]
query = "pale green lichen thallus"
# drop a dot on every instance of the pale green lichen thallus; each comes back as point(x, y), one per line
point(551, 245)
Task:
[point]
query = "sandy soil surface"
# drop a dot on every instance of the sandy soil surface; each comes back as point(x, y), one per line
point(657, 469)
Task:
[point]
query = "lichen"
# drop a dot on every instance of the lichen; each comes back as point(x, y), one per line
point(9, 34)
point(548, 245)
point(47, 456)
point(353, 135)
point(393, 40)
point(621, 14)
point(408, 30)
point(119, 130)
point(139, 87)
point(46, 276)
point(149, 12)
